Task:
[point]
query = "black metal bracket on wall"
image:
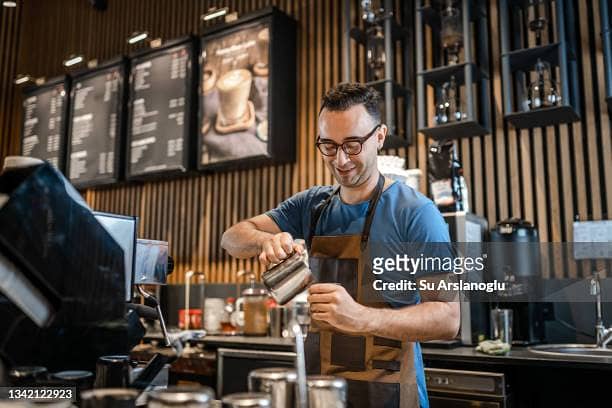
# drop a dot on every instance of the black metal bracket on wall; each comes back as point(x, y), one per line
point(391, 90)
point(606, 36)
point(472, 74)
point(518, 58)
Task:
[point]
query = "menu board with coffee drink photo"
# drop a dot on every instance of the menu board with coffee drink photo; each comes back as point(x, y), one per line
point(43, 127)
point(159, 117)
point(234, 94)
point(94, 136)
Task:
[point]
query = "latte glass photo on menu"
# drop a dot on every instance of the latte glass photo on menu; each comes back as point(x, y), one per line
point(236, 98)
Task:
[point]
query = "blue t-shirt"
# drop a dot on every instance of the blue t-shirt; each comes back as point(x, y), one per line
point(402, 215)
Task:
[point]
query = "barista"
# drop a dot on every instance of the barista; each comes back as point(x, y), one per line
point(375, 347)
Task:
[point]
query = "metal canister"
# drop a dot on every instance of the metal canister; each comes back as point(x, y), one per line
point(109, 398)
point(113, 371)
point(279, 382)
point(247, 400)
point(80, 379)
point(325, 391)
point(289, 278)
point(186, 397)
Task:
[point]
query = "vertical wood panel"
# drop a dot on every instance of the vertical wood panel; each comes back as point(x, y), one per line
point(547, 176)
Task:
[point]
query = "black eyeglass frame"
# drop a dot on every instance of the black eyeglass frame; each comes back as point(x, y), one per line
point(361, 141)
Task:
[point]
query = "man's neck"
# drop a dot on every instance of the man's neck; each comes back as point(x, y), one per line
point(354, 195)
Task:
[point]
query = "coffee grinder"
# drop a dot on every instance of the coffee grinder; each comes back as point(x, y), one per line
point(514, 259)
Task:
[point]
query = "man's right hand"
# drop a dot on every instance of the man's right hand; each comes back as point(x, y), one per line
point(278, 247)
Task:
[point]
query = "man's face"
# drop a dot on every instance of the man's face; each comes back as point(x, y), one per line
point(340, 126)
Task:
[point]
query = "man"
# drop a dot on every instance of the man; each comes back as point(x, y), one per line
point(373, 345)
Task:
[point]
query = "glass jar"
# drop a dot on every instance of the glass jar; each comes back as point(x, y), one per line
point(543, 91)
point(255, 312)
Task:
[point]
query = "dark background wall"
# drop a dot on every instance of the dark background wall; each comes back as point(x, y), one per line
point(549, 175)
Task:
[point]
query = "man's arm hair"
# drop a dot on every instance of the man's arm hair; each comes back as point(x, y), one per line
point(244, 239)
point(437, 317)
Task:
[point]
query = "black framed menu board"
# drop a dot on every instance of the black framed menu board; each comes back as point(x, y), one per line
point(43, 133)
point(95, 132)
point(160, 110)
point(247, 92)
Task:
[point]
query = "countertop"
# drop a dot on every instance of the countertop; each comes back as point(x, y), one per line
point(250, 342)
point(519, 355)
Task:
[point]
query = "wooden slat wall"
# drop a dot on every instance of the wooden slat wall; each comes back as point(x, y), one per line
point(547, 175)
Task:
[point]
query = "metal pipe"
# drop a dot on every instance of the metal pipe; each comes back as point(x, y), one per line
point(160, 316)
point(346, 42)
point(389, 67)
point(300, 365)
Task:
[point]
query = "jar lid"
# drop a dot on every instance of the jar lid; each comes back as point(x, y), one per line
point(326, 381)
point(27, 371)
point(248, 399)
point(114, 394)
point(183, 395)
point(254, 292)
point(274, 373)
point(73, 375)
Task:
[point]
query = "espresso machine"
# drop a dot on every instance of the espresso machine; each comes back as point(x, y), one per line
point(66, 279)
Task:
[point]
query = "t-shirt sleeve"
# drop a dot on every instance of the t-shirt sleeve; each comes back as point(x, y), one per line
point(426, 224)
point(429, 237)
point(290, 214)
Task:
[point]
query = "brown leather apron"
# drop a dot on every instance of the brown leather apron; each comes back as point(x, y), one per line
point(379, 371)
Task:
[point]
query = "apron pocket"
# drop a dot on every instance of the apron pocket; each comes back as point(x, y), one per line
point(348, 351)
point(393, 365)
point(332, 270)
point(383, 341)
point(312, 350)
point(365, 394)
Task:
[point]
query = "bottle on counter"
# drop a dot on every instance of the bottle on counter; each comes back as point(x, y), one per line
point(255, 312)
point(227, 327)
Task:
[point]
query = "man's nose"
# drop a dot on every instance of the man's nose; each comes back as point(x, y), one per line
point(341, 157)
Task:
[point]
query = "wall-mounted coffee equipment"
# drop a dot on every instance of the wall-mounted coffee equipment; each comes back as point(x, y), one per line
point(456, 31)
point(539, 62)
point(382, 29)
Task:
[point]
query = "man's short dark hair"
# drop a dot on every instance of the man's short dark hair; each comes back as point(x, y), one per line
point(344, 96)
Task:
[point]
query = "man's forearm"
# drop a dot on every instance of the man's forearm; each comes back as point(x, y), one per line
point(421, 322)
point(243, 240)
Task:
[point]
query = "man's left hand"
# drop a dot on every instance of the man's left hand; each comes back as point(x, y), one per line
point(331, 303)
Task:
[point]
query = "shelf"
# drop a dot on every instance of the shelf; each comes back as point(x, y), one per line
point(525, 59)
point(431, 13)
point(398, 90)
point(543, 117)
point(395, 142)
point(439, 75)
point(455, 130)
point(398, 33)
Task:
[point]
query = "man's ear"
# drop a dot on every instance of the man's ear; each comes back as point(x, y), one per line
point(381, 135)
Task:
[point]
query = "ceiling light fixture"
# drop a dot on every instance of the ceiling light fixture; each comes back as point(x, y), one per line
point(73, 60)
point(22, 79)
point(137, 37)
point(214, 13)
point(9, 4)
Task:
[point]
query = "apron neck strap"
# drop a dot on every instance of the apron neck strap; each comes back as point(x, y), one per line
point(365, 235)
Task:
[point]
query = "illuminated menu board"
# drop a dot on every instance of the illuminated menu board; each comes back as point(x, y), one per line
point(95, 128)
point(43, 127)
point(160, 116)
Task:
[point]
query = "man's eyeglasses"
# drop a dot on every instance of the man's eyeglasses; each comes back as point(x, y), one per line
point(352, 146)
